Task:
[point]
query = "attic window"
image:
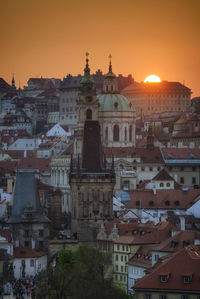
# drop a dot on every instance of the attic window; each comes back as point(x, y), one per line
point(164, 278)
point(187, 278)
point(177, 202)
point(151, 203)
point(174, 243)
point(137, 203)
point(167, 202)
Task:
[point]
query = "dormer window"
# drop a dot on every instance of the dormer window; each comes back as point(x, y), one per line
point(161, 185)
point(164, 277)
point(187, 278)
point(174, 243)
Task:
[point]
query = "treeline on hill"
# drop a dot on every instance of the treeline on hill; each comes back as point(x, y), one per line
point(78, 274)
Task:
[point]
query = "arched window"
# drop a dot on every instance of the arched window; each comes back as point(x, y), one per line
point(89, 114)
point(125, 134)
point(130, 133)
point(116, 133)
point(106, 133)
point(161, 185)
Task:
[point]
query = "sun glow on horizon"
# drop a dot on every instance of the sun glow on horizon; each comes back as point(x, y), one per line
point(152, 78)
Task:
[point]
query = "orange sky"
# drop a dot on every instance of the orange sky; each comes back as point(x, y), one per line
point(49, 38)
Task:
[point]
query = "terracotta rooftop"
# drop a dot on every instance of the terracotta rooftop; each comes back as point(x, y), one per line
point(183, 265)
point(163, 199)
point(146, 155)
point(43, 165)
point(178, 241)
point(142, 258)
point(6, 233)
point(163, 176)
point(27, 252)
point(181, 153)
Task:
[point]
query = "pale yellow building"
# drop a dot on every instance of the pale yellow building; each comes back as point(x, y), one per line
point(158, 97)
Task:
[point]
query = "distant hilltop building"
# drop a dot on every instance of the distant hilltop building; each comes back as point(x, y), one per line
point(158, 97)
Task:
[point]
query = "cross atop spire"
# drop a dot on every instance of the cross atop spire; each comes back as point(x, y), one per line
point(110, 65)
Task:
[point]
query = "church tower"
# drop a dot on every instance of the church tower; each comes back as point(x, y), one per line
point(91, 181)
point(87, 106)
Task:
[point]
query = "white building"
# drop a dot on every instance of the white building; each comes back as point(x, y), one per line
point(28, 262)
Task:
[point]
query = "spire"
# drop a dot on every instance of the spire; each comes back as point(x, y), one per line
point(87, 69)
point(87, 78)
point(13, 81)
point(110, 64)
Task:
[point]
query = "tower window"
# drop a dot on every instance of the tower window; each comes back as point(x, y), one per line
point(116, 133)
point(125, 134)
point(106, 133)
point(89, 114)
point(130, 133)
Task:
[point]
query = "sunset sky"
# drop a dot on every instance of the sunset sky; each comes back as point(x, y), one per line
point(49, 38)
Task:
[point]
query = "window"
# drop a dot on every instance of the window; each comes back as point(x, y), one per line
point(168, 184)
point(41, 243)
point(120, 277)
point(31, 263)
point(26, 243)
point(41, 232)
point(116, 277)
point(26, 233)
point(185, 297)
point(161, 184)
point(182, 180)
point(147, 296)
point(116, 257)
point(130, 133)
point(118, 247)
point(193, 180)
point(122, 269)
point(150, 169)
point(116, 268)
point(125, 134)
point(116, 133)
point(187, 279)
point(89, 114)
point(122, 247)
point(164, 278)
point(106, 133)
point(122, 258)
point(163, 297)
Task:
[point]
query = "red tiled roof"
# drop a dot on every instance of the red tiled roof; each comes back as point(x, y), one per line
point(181, 153)
point(180, 239)
point(42, 165)
point(163, 199)
point(8, 166)
point(163, 176)
point(27, 252)
point(184, 262)
point(18, 154)
point(6, 233)
point(142, 258)
point(146, 155)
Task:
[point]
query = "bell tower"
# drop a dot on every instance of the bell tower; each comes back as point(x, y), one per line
point(87, 106)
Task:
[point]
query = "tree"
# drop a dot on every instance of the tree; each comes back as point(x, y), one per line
point(78, 274)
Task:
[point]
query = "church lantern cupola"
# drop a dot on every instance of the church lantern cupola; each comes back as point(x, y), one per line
point(110, 81)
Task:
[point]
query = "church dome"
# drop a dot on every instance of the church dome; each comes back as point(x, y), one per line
point(114, 102)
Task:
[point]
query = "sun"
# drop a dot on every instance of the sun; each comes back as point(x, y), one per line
point(152, 78)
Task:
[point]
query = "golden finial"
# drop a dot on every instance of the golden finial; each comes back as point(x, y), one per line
point(87, 54)
point(110, 65)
